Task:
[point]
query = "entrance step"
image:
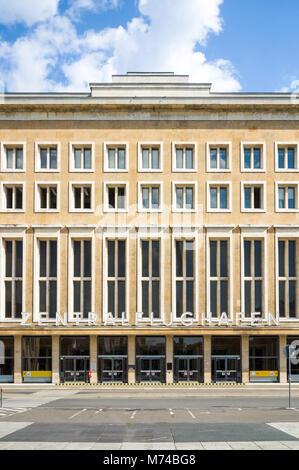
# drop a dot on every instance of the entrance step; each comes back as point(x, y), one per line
point(151, 384)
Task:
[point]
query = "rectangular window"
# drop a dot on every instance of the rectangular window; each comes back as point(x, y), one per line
point(184, 197)
point(47, 158)
point(218, 156)
point(219, 277)
point(13, 158)
point(116, 198)
point(287, 278)
point(287, 197)
point(184, 157)
point(253, 197)
point(150, 277)
point(116, 277)
point(150, 197)
point(13, 197)
point(253, 157)
point(47, 198)
point(115, 157)
point(150, 158)
point(184, 277)
point(82, 197)
point(48, 277)
point(286, 156)
point(82, 158)
point(13, 278)
point(253, 277)
point(218, 197)
point(82, 277)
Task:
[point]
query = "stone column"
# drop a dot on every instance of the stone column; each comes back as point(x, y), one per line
point(169, 358)
point(18, 360)
point(245, 358)
point(282, 359)
point(55, 360)
point(93, 359)
point(131, 359)
point(207, 359)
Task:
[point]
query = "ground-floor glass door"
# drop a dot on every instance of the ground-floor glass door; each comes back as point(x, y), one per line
point(226, 369)
point(113, 369)
point(150, 369)
point(188, 369)
point(74, 369)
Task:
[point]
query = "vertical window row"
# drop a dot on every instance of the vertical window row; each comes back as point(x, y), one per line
point(253, 277)
point(184, 276)
point(82, 279)
point(48, 277)
point(13, 280)
point(287, 279)
point(116, 279)
point(150, 277)
point(218, 277)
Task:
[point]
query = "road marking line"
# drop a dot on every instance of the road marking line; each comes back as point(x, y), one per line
point(99, 411)
point(191, 414)
point(133, 414)
point(171, 412)
point(76, 414)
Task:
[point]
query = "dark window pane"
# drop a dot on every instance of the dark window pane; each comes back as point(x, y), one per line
point(213, 258)
point(257, 158)
point(292, 258)
point(111, 198)
point(213, 298)
point(19, 159)
point(121, 198)
point(189, 159)
point(258, 296)
point(257, 258)
point(224, 296)
point(8, 267)
point(145, 158)
point(9, 195)
point(111, 297)
point(8, 310)
point(145, 251)
point(248, 298)
point(53, 198)
point(19, 259)
point(77, 259)
point(247, 153)
point(42, 296)
point(53, 158)
point(282, 298)
point(281, 258)
point(111, 158)
point(155, 258)
point(87, 159)
point(223, 198)
point(121, 159)
point(291, 158)
point(156, 299)
point(155, 159)
point(121, 298)
point(53, 299)
point(223, 158)
point(179, 158)
point(77, 197)
point(179, 258)
point(213, 158)
point(42, 259)
point(145, 298)
point(18, 298)
point(223, 258)
point(292, 299)
point(190, 296)
point(43, 198)
point(53, 258)
point(77, 297)
point(247, 258)
point(281, 158)
point(257, 198)
point(19, 198)
point(179, 298)
point(247, 194)
point(86, 298)
point(111, 258)
point(43, 158)
point(87, 258)
point(121, 258)
point(189, 259)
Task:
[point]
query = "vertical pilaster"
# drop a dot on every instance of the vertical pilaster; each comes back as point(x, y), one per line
point(169, 359)
point(55, 360)
point(131, 360)
point(18, 359)
point(93, 359)
point(207, 359)
point(282, 359)
point(245, 358)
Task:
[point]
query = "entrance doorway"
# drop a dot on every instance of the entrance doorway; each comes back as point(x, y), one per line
point(150, 369)
point(74, 369)
point(225, 368)
point(113, 369)
point(187, 369)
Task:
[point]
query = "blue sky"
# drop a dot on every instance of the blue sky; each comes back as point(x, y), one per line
point(62, 45)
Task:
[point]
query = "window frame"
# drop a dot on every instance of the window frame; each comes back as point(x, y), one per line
point(286, 184)
point(253, 145)
point(40, 145)
point(82, 184)
point(277, 145)
point(219, 184)
point(253, 184)
point(72, 146)
point(116, 145)
point(15, 145)
point(13, 184)
point(37, 186)
point(151, 146)
point(185, 146)
point(218, 145)
point(151, 185)
point(184, 184)
point(106, 185)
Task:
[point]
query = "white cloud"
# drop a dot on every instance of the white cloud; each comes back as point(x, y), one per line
point(168, 35)
point(92, 5)
point(27, 11)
